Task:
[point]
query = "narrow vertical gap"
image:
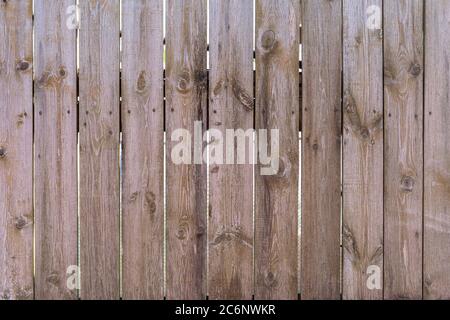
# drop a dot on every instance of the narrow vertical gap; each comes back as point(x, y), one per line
point(207, 150)
point(384, 144)
point(255, 153)
point(164, 260)
point(33, 152)
point(77, 71)
point(120, 155)
point(341, 220)
point(300, 162)
point(424, 20)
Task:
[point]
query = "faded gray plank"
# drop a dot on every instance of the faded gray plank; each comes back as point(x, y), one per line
point(143, 149)
point(437, 151)
point(277, 107)
point(186, 102)
point(230, 231)
point(362, 149)
point(321, 145)
point(403, 156)
point(99, 149)
point(55, 149)
point(16, 151)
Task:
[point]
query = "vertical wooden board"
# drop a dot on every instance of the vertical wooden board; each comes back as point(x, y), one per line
point(186, 103)
point(277, 108)
point(143, 149)
point(437, 151)
point(321, 148)
point(230, 231)
point(99, 148)
point(16, 151)
point(363, 150)
point(55, 149)
point(403, 156)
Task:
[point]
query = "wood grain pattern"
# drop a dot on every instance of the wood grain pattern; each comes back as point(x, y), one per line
point(403, 152)
point(143, 153)
point(16, 151)
point(321, 148)
point(230, 231)
point(363, 149)
point(186, 102)
point(277, 107)
point(99, 148)
point(437, 150)
point(55, 97)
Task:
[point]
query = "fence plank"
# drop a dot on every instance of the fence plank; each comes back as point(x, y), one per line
point(363, 149)
point(16, 151)
point(403, 55)
point(437, 150)
point(277, 97)
point(186, 102)
point(321, 189)
point(99, 149)
point(55, 148)
point(231, 95)
point(143, 149)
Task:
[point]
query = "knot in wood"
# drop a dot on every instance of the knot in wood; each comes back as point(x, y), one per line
point(242, 96)
point(2, 152)
point(268, 40)
point(20, 223)
point(184, 82)
point(141, 83)
point(415, 69)
point(365, 134)
point(22, 65)
point(62, 72)
point(407, 184)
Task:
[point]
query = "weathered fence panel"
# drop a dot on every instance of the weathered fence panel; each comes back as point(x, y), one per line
point(16, 150)
point(375, 165)
point(437, 150)
point(230, 231)
point(277, 107)
point(186, 103)
point(403, 152)
point(362, 234)
point(321, 149)
point(99, 148)
point(55, 135)
point(143, 149)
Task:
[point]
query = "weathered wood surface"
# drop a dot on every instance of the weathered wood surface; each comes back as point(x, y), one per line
point(230, 231)
point(362, 234)
point(186, 102)
point(277, 107)
point(143, 156)
point(437, 150)
point(55, 114)
point(403, 152)
point(16, 151)
point(99, 148)
point(321, 145)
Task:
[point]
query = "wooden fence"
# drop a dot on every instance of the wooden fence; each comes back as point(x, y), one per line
point(85, 179)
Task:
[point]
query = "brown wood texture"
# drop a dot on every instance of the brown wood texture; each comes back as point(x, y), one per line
point(99, 149)
point(16, 151)
point(362, 234)
point(186, 103)
point(437, 151)
point(277, 107)
point(321, 149)
point(143, 149)
point(230, 230)
point(55, 97)
point(403, 152)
